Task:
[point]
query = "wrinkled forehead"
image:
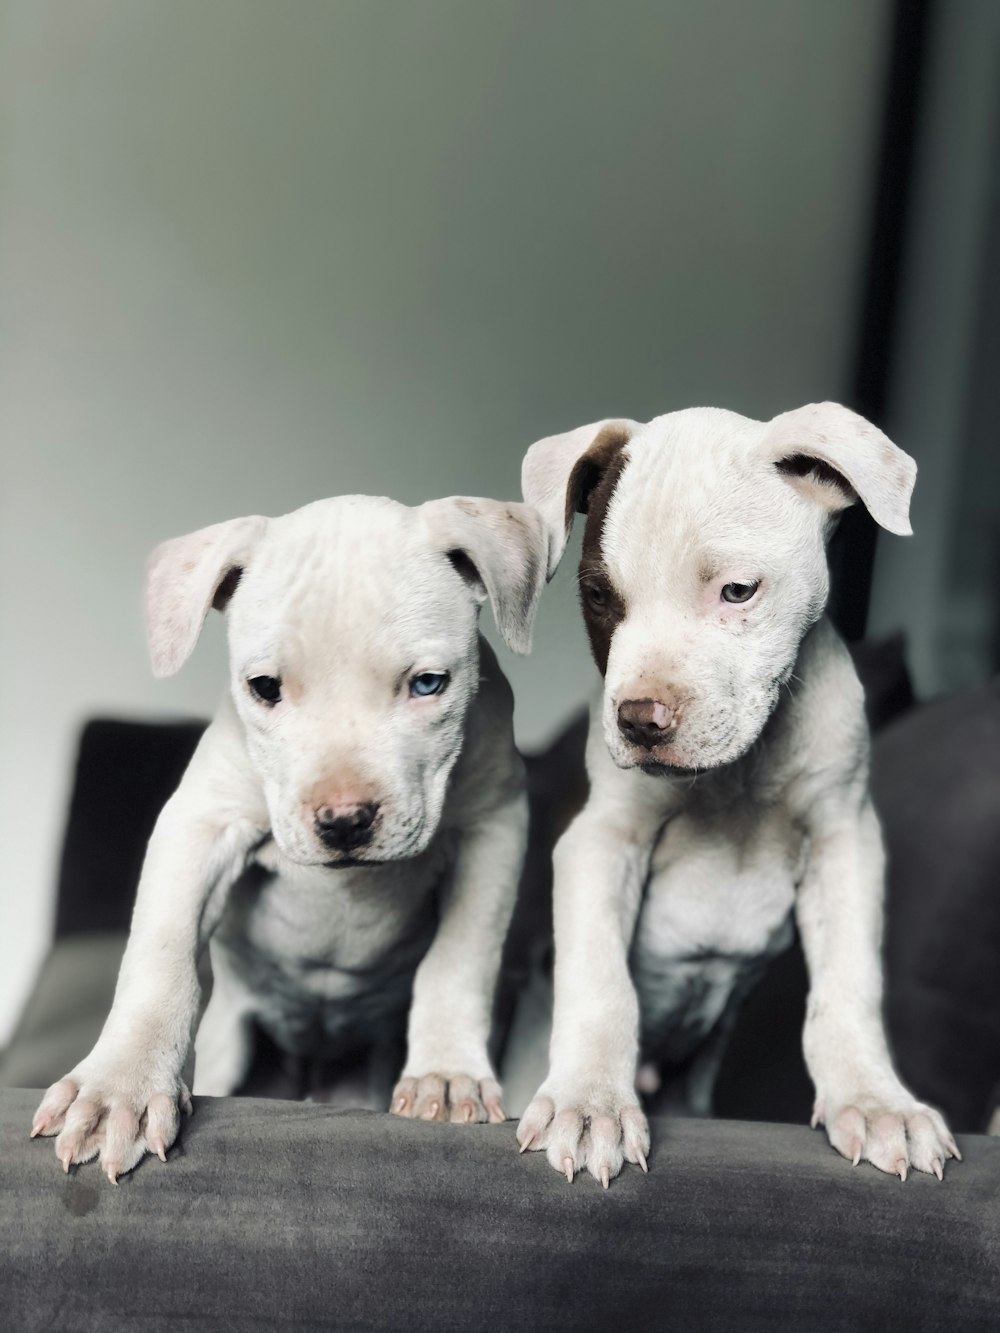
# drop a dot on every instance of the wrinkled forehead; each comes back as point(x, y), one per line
point(346, 573)
point(694, 496)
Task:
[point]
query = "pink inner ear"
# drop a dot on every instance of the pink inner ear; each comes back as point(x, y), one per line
point(226, 588)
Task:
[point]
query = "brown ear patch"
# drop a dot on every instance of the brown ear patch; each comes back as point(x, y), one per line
point(591, 486)
point(604, 454)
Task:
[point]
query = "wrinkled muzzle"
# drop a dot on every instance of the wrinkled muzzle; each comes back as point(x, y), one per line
point(683, 709)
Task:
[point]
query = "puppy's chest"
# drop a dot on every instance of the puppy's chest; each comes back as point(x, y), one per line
point(299, 936)
point(717, 905)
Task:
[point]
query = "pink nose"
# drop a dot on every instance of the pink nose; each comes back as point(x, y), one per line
point(648, 722)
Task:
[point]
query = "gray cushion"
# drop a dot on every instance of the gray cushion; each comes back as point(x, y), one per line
point(65, 1011)
point(272, 1214)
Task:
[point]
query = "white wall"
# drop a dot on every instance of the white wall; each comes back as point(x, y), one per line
point(252, 254)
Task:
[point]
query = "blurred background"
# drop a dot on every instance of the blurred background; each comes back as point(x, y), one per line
point(255, 253)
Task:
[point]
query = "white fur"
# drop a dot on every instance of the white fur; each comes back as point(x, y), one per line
point(691, 877)
point(344, 601)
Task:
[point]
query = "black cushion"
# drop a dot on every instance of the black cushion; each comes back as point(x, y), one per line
point(936, 779)
point(125, 771)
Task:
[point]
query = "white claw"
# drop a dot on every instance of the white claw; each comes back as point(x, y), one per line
point(901, 1169)
point(936, 1168)
point(642, 1160)
point(568, 1168)
point(605, 1177)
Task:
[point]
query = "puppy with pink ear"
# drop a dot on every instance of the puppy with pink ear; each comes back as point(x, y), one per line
point(363, 761)
point(728, 763)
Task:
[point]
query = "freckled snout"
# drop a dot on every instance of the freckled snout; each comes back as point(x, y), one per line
point(648, 723)
point(344, 826)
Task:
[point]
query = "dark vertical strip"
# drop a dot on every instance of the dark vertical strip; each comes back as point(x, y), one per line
point(973, 570)
point(852, 551)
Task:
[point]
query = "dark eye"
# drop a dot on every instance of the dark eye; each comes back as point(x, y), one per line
point(739, 592)
point(266, 688)
point(428, 682)
point(595, 594)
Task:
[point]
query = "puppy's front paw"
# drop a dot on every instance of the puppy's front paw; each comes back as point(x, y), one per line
point(455, 1097)
point(586, 1127)
point(892, 1137)
point(118, 1118)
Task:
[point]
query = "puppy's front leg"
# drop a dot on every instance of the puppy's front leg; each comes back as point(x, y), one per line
point(867, 1111)
point(586, 1113)
point(448, 1074)
point(125, 1097)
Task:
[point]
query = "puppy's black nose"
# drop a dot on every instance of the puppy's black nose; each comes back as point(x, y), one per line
point(647, 722)
point(344, 827)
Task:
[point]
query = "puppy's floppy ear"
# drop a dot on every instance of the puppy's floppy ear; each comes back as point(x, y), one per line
point(185, 577)
point(558, 474)
point(500, 549)
point(835, 457)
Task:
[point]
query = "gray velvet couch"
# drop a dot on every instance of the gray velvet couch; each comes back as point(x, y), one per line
point(273, 1214)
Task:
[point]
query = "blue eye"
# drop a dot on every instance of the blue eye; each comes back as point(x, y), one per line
point(428, 683)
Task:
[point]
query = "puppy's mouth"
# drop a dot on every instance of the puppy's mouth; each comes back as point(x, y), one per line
point(334, 860)
point(668, 761)
point(655, 769)
point(347, 860)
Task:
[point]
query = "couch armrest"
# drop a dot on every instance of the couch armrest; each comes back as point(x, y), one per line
point(272, 1213)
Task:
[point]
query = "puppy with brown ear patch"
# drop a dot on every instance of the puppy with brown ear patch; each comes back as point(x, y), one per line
point(363, 760)
point(728, 764)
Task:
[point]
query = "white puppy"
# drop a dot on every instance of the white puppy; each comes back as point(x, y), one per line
point(364, 757)
point(728, 767)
